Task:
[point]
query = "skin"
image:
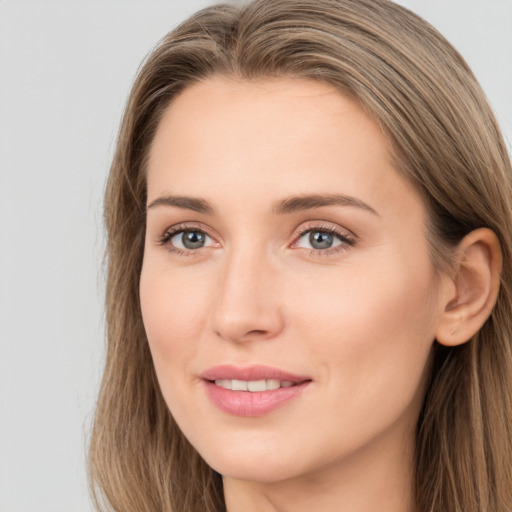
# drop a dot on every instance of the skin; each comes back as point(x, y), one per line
point(359, 319)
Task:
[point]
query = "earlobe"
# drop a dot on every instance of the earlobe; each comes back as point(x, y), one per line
point(474, 288)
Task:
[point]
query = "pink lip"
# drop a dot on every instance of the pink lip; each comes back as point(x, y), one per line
point(255, 372)
point(247, 403)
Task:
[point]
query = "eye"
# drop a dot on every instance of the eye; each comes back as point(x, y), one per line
point(181, 239)
point(190, 240)
point(323, 239)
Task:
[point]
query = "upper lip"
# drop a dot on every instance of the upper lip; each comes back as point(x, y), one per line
point(250, 373)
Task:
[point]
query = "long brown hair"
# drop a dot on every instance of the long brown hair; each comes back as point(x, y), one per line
point(446, 142)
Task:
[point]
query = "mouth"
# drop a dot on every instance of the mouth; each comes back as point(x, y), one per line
point(252, 391)
point(253, 386)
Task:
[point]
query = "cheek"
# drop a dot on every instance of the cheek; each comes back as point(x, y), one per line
point(370, 336)
point(172, 313)
point(370, 327)
point(173, 309)
point(355, 300)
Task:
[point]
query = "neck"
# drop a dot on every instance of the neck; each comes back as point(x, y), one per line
point(376, 477)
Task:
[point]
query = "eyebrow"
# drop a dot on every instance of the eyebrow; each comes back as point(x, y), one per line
point(187, 203)
point(285, 206)
point(307, 202)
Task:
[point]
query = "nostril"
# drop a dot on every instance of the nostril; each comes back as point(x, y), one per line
point(244, 321)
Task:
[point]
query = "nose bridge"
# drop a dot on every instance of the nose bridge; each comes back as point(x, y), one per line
point(246, 307)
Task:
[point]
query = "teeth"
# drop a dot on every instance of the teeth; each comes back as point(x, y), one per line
point(257, 385)
point(239, 385)
point(253, 385)
point(224, 383)
point(273, 384)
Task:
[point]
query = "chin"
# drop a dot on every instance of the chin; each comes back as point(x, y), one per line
point(261, 461)
point(253, 462)
point(254, 471)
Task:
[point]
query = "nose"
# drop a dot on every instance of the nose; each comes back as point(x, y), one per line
point(247, 304)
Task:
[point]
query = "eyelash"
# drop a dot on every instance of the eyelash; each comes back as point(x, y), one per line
point(347, 240)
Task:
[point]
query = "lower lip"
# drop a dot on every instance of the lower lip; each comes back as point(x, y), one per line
point(250, 404)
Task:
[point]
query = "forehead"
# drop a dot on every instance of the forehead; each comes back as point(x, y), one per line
point(224, 113)
point(268, 138)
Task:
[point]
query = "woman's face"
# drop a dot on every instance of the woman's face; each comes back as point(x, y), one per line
point(285, 259)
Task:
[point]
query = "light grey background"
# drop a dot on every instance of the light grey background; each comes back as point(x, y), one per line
point(65, 71)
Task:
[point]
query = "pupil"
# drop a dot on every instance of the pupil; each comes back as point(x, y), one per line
point(320, 240)
point(193, 239)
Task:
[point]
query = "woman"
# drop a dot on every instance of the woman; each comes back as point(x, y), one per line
point(309, 279)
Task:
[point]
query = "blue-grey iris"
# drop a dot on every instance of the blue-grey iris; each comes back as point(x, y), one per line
point(320, 240)
point(193, 239)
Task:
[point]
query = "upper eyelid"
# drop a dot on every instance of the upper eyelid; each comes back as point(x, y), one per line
point(325, 226)
point(188, 226)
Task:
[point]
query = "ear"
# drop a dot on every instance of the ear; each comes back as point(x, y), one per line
point(473, 290)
